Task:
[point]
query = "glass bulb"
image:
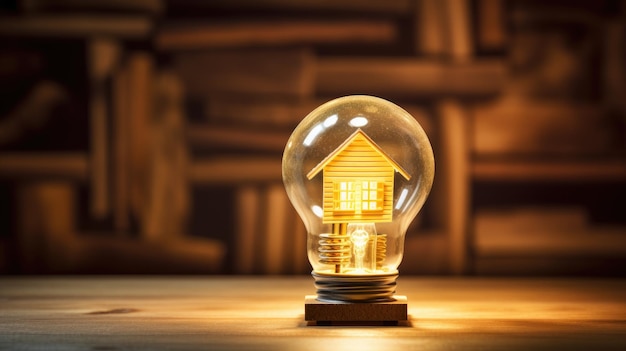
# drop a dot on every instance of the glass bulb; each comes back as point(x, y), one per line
point(357, 170)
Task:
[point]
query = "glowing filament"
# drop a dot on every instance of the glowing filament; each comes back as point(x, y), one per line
point(363, 239)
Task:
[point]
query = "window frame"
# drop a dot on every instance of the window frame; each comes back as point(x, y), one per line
point(354, 196)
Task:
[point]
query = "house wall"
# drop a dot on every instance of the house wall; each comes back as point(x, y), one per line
point(358, 161)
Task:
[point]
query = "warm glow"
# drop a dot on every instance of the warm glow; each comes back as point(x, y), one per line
point(357, 169)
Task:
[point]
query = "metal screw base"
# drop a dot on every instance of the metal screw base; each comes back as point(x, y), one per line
point(355, 288)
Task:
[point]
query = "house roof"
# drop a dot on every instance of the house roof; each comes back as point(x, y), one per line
point(345, 144)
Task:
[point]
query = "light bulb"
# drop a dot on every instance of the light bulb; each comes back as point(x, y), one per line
point(357, 170)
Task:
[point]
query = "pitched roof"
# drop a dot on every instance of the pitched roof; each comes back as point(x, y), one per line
point(345, 144)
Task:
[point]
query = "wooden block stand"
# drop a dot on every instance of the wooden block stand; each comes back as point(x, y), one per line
point(366, 313)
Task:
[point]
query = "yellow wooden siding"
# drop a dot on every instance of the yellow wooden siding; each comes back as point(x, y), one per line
point(358, 148)
point(358, 162)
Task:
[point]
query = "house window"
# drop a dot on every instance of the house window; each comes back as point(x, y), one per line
point(372, 196)
point(344, 196)
point(358, 196)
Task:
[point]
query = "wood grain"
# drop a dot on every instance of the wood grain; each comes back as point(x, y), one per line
point(140, 65)
point(430, 29)
point(548, 170)
point(408, 77)
point(235, 170)
point(455, 161)
point(389, 7)
point(236, 137)
point(460, 28)
point(228, 313)
point(76, 26)
point(73, 166)
point(121, 142)
point(275, 34)
point(269, 72)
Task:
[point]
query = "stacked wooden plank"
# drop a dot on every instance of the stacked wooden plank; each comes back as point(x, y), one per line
point(205, 94)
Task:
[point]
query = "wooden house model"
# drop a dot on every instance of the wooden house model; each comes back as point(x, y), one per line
point(358, 182)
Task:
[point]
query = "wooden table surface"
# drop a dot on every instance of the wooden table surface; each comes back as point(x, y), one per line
point(266, 313)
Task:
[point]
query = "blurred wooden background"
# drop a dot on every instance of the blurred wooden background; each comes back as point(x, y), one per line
point(145, 136)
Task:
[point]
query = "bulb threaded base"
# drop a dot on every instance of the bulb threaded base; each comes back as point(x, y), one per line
point(355, 288)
